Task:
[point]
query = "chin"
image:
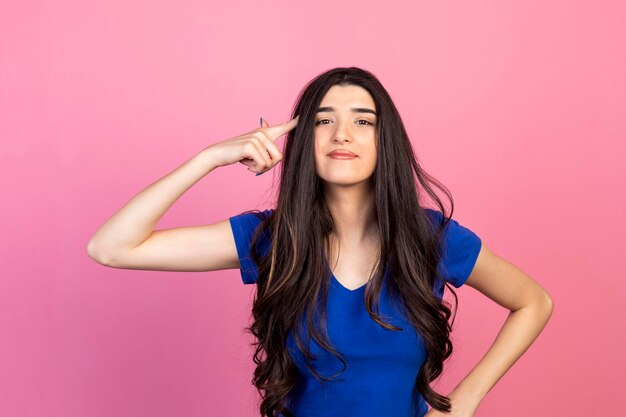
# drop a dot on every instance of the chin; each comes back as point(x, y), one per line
point(343, 180)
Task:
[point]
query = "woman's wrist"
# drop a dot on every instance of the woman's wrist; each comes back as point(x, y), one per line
point(465, 399)
point(207, 158)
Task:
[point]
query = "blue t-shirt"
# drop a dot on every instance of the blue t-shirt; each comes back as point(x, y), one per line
point(382, 364)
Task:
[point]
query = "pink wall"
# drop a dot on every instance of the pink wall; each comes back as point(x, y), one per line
point(518, 108)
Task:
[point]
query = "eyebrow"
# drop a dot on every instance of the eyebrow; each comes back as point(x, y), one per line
point(354, 110)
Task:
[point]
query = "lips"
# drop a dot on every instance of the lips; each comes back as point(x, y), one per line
point(342, 153)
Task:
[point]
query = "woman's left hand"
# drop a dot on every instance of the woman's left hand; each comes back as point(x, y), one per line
point(459, 408)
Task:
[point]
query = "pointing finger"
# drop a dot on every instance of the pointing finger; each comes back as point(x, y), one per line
point(279, 130)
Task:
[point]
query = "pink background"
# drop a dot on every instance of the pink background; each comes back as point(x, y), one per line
point(518, 107)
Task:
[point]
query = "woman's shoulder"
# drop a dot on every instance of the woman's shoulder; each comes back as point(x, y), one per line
point(432, 214)
point(246, 222)
point(252, 217)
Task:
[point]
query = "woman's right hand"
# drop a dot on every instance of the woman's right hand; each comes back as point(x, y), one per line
point(255, 149)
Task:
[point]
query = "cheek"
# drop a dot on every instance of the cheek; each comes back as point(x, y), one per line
point(371, 163)
point(319, 157)
point(372, 155)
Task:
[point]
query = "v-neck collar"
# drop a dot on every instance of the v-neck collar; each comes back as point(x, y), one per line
point(334, 279)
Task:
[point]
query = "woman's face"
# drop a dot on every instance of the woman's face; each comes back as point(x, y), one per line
point(346, 120)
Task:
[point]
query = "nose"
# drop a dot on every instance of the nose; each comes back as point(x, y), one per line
point(341, 134)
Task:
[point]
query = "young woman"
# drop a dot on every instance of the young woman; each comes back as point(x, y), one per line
point(349, 267)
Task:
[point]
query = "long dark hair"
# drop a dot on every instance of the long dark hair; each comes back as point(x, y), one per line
point(293, 274)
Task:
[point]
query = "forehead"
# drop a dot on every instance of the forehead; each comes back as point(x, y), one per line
point(344, 97)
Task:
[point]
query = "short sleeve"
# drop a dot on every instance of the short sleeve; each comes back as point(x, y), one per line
point(459, 251)
point(243, 226)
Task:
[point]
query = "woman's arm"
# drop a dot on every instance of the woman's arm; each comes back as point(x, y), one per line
point(134, 222)
point(530, 309)
point(127, 239)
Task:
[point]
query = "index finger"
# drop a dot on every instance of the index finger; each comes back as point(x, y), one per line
point(278, 130)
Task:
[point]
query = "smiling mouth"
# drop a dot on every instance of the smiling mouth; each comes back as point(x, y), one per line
point(341, 156)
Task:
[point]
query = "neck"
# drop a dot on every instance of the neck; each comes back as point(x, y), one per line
point(353, 211)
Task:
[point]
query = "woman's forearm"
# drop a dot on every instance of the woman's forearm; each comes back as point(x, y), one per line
point(518, 332)
point(135, 221)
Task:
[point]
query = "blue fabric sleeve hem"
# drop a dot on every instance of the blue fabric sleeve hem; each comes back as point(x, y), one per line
point(243, 251)
point(469, 264)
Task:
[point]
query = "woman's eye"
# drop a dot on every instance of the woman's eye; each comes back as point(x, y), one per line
point(367, 122)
